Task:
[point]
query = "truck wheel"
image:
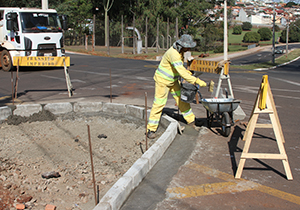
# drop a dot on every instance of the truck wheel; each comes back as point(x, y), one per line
point(6, 61)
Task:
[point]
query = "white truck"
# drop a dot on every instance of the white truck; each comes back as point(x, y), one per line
point(30, 32)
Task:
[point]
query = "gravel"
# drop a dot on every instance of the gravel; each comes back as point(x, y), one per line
point(45, 159)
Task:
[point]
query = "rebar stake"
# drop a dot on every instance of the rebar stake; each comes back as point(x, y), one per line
point(92, 164)
point(110, 86)
point(146, 120)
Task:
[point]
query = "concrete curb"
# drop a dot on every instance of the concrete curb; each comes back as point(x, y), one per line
point(274, 67)
point(119, 192)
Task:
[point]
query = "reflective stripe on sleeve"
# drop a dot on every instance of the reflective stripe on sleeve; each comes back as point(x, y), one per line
point(177, 63)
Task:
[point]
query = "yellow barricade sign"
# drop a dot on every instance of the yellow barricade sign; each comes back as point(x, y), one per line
point(41, 61)
point(205, 66)
point(210, 66)
point(264, 92)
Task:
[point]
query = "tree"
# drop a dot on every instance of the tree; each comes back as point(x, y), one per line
point(246, 26)
point(79, 16)
point(290, 4)
point(107, 4)
point(237, 30)
point(251, 37)
point(294, 33)
point(265, 34)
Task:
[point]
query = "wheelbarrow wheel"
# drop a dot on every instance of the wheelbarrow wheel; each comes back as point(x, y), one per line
point(226, 124)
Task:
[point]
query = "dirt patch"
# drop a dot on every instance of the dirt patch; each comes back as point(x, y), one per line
point(30, 149)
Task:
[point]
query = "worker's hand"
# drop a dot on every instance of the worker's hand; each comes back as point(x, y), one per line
point(200, 82)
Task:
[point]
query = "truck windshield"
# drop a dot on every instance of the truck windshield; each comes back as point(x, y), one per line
point(40, 22)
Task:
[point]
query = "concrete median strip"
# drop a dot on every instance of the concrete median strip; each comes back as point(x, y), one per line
point(119, 192)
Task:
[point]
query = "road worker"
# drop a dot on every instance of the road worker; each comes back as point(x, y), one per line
point(166, 80)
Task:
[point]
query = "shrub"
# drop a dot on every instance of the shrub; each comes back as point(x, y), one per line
point(265, 34)
point(237, 30)
point(251, 37)
point(246, 26)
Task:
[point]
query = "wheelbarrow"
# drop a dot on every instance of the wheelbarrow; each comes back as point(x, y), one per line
point(217, 109)
point(220, 110)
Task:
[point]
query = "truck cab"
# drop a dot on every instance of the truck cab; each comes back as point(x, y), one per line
point(30, 32)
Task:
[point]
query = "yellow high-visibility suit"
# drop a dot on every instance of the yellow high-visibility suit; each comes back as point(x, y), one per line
point(166, 80)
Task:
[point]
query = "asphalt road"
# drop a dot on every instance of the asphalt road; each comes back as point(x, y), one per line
point(261, 56)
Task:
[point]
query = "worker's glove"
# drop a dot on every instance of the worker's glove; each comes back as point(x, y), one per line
point(200, 82)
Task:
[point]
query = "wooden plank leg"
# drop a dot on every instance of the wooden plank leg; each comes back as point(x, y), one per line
point(240, 168)
point(287, 169)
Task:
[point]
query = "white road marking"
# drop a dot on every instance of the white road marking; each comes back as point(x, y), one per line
point(287, 81)
point(63, 79)
point(117, 75)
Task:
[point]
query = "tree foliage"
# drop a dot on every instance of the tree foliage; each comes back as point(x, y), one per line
point(246, 26)
point(237, 30)
point(251, 37)
point(265, 34)
point(192, 16)
point(294, 33)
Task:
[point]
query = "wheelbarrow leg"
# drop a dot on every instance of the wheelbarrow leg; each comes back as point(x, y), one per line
point(226, 124)
point(209, 118)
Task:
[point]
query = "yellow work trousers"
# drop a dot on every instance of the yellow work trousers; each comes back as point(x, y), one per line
point(160, 100)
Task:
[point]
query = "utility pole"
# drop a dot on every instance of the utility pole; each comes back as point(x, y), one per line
point(94, 27)
point(287, 36)
point(273, 48)
point(44, 4)
point(225, 32)
point(133, 41)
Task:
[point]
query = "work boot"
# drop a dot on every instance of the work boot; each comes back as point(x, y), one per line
point(151, 134)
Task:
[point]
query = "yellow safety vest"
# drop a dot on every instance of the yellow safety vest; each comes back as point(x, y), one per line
point(171, 67)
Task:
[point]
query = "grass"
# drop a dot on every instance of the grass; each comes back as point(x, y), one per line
point(236, 41)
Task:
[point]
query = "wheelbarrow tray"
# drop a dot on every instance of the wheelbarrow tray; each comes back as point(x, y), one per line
point(220, 105)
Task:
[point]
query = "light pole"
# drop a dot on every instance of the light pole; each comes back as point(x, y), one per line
point(44, 4)
point(225, 32)
point(273, 48)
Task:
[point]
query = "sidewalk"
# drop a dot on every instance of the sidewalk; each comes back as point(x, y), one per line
point(197, 172)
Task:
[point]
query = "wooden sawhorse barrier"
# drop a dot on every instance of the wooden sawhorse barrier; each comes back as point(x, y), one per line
point(264, 105)
point(43, 61)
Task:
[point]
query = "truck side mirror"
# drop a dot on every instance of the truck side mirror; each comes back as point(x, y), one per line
point(65, 22)
point(11, 18)
point(10, 24)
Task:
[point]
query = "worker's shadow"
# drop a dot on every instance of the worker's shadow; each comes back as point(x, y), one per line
point(234, 149)
point(175, 114)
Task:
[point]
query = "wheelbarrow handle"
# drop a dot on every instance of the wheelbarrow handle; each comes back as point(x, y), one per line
point(198, 86)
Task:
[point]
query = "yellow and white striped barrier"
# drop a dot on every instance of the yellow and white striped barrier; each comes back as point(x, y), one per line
point(41, 61)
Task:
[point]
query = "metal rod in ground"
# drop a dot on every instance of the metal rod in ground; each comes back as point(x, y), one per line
point(98, 194)
point(146, 120)
point(17, 81)
point(110, 86)
point(12, 87)
point(92, 164)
